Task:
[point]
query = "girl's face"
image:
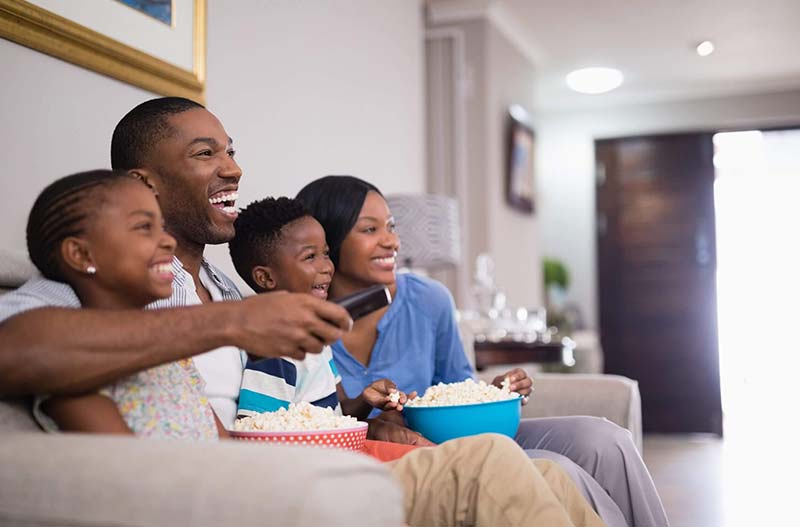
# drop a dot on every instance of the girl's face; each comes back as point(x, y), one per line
point(129, 248)
point(369, 252)
point(300, 262)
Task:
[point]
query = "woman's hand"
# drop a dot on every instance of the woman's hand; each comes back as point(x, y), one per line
point(519, 382)
point(386, 430)
point(383, 394)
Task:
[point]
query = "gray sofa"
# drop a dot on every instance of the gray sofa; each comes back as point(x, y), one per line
point(73, 479)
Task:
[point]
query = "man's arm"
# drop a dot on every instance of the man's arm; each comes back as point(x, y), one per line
point(70, 351)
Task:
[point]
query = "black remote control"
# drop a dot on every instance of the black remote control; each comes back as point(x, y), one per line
point(366, 301)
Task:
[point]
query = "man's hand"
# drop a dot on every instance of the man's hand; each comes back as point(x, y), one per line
point(385, 430)
point(285, 324)
point(519, 382)
point(383, 394)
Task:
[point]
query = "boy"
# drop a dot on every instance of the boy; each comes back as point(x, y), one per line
point(279, 246)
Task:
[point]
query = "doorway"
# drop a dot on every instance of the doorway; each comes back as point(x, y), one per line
point(756, 194)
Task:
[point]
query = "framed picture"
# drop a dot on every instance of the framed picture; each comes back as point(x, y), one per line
point(519, 161)
point(158, 45)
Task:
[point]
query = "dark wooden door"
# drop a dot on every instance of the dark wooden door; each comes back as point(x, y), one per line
point(656, 276)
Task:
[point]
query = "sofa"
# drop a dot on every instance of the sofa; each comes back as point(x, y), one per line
point(76, 479)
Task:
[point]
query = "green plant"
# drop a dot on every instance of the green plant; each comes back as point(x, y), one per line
point(555, 273)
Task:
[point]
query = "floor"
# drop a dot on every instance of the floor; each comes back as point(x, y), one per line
point(745, 480)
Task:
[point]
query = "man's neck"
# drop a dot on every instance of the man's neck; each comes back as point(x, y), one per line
point(191, 257)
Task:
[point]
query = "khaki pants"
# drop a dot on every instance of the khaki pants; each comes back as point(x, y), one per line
point(487, 480)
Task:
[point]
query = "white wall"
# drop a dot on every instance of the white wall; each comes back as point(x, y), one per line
point(313, 88)
point(304, 88)
point(497, 75)
point(56, 119)
point(565, 167)
point(514, 236)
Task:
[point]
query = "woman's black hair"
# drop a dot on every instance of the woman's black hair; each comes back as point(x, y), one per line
point(258, 232)
point(61, 211)
point(335, 202)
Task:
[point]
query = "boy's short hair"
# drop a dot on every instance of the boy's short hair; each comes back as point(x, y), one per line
point(258, 232)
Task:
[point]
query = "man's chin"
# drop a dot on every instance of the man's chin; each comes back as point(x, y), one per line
point(220, 234)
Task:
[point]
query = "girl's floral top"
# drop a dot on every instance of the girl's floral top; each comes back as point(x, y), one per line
point(167, 401)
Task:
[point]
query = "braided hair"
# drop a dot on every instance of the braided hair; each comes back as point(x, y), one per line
point(144, 127)
point(258, 233)
point(61, 211)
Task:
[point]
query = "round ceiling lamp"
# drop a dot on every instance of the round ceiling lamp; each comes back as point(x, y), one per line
point(594, 80)
point(705, 48)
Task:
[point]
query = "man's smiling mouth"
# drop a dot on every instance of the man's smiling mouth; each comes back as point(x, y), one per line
point(225, 202)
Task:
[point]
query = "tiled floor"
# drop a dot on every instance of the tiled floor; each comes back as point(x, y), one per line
point(749, 479)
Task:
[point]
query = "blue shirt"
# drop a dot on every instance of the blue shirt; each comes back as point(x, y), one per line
point(418, 344)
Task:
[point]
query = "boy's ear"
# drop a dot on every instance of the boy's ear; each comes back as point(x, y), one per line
point(265, 277)
point(76, 255)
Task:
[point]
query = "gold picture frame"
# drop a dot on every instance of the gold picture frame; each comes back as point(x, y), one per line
point(39, 29)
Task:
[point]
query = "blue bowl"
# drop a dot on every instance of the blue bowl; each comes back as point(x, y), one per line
point(440, 423)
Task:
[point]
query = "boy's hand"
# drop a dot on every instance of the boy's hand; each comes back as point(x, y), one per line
point(383, 394)
point(519, 382)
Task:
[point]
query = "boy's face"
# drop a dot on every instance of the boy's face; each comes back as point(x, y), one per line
point(300, 261)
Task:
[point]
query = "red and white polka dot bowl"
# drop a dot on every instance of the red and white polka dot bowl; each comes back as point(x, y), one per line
point(344, 438)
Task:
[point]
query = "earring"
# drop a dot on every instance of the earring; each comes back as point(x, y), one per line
point(91, 269)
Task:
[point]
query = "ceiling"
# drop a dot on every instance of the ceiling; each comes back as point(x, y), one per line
point(652, 42)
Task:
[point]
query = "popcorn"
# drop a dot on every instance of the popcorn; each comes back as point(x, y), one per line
point(298, 417)
point(466, 392)
point(394, 396)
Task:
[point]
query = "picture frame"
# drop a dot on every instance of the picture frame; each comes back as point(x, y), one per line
point(39, 28)
point(521, 142)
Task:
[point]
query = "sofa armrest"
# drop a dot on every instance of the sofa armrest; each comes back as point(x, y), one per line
point(611, 396)
point(74, 479)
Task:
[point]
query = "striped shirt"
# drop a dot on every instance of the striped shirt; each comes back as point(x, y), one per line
point(271, 384)
point(221, 368)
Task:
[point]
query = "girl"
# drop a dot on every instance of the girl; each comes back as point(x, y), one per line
point(415, 342)
point(101, 233)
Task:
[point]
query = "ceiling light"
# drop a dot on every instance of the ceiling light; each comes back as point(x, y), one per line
point(594, 80)
point(705, 48)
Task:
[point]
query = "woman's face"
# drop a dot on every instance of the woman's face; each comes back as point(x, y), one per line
point(369, 252)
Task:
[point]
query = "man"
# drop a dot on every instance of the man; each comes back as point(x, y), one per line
point(185, 153)
point(56, 350)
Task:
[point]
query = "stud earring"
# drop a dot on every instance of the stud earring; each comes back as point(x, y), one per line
point(91, 269)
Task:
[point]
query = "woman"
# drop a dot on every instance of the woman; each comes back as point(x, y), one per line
point(415, 342)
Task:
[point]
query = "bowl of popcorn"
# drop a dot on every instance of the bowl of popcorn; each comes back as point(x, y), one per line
point(303, 424)
point(459, 409)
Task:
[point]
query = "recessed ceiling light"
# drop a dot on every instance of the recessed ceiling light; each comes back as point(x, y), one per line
point(705, 48)
point(594, 80)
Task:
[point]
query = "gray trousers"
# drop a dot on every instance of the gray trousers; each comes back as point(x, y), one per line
point(608, 466)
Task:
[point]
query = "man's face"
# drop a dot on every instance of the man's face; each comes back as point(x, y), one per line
point(197, 179)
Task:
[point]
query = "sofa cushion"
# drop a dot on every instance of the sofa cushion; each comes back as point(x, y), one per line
point(16, 416)
point(92, 480)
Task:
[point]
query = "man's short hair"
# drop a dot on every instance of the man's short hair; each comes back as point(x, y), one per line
point(144, 127)
point(258, 234)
